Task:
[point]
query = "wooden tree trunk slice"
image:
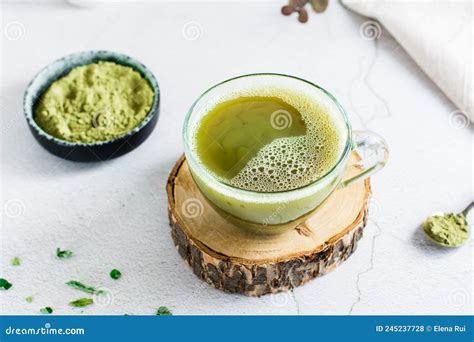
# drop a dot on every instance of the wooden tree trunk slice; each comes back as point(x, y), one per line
point(250, 262)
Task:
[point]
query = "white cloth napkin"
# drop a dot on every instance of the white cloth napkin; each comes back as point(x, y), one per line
point(437, 34)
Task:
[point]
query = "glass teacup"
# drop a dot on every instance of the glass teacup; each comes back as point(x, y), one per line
point(276, 208)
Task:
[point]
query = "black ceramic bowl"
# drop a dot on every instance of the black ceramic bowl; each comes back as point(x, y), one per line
point(98, 151)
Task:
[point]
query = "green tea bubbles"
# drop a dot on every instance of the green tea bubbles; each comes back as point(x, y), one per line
point(276, 140)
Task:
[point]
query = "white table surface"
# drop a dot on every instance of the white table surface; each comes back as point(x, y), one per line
point(114, 214)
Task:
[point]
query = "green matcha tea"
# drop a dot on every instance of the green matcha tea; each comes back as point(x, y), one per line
point(277, 142)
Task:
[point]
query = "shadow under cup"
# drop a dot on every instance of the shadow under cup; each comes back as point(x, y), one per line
point(277, 208)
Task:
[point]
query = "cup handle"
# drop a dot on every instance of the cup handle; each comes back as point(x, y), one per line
point(373, 151)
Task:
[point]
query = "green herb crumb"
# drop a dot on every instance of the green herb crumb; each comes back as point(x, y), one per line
point(63, 254)
point(163, 311)
point(16, 261)
point(29, 299)
point(47, 310)
point(81, 302)
point(115, 274)
point(5, 284)
point(80, 286)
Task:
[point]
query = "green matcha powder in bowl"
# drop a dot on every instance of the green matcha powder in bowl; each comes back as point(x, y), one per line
point(92, 106)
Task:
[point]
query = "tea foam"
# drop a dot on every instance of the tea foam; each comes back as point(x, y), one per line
point(291, 162)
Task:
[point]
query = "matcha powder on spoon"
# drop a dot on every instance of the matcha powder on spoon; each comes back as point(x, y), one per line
point(94, 103)
point(450, 230)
